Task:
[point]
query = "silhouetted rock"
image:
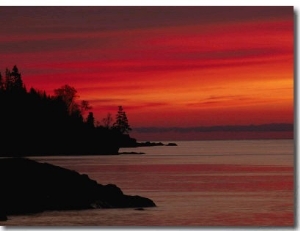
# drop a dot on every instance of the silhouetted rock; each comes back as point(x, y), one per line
point(171, 144)
point(135, 153)
point(149, 144)
point(2, 216)
point(28, 187)
point(127, 141)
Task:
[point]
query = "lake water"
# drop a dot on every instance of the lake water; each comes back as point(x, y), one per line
point(195, 184)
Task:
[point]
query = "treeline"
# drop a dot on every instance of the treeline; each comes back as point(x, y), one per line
point(35, 123)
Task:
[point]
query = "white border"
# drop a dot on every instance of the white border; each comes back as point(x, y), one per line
point(180, 3)
point(148, 3)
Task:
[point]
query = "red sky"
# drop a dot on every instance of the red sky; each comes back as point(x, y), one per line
point(167, 66)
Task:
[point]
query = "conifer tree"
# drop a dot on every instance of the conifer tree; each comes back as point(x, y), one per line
point(1, 82)
point(13, 81)
point(16, 78)
point(121, 123)
point(90, 120)
point(8, 80)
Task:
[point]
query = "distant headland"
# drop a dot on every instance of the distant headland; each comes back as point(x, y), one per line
point(34, 123)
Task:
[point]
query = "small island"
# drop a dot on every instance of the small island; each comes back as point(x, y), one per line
point(151, 144)
point(128, 142)
point(33, 187)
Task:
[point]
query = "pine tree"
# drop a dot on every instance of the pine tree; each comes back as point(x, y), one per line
point(121, 123)
point(8, 80)
point(13, 80)
point(16, 78)
point(90, 120)
point(1, 83)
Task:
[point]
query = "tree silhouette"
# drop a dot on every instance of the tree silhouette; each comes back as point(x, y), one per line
point(16, 78)
point(13, 81)
point(121, 123)
point(68, 94)
point(1, 82)
point(85, 106)
point(90, 120)
point(107, 121)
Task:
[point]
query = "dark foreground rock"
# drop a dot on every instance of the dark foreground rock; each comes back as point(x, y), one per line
point(2, 216)
point(28, 187)
point(171, 144)
point(135, 153)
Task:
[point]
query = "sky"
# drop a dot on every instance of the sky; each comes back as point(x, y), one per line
point(172, 68)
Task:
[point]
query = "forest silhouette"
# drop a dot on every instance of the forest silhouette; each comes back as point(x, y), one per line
point(35, 123)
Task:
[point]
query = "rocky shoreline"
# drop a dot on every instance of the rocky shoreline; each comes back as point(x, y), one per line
point(32, 187)
point(151, 144)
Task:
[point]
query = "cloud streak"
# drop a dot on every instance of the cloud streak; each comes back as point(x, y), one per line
point(163, 64)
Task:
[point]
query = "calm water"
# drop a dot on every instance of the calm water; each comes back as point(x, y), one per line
point(197, 183)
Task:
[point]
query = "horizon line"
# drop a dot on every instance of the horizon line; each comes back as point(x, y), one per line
point(270, 127)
